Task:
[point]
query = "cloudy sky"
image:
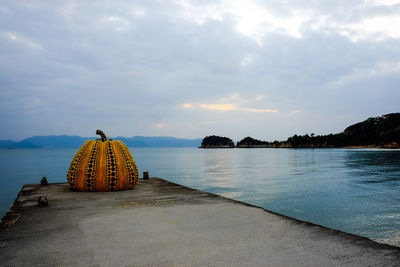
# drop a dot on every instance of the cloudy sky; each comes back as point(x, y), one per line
point(266, 69)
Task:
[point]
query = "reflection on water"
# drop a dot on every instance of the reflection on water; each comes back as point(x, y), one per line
point(352, 190)
point(347, 189)
point(376, 166)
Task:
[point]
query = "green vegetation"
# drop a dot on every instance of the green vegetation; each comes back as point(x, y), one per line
point(381, 131)
point(249, 142)
point(214, 141)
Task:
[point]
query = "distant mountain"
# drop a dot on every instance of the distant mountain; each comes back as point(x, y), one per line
point(158, 141)
point(7, 143)
point(57, 141)
point(66, 141)
point(13, 144)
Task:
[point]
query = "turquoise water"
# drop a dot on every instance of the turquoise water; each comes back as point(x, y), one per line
point(353, 190)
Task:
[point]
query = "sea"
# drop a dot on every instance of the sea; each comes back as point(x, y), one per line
point(352, 190)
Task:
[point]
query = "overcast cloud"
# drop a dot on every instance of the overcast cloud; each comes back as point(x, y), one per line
point(268, 69)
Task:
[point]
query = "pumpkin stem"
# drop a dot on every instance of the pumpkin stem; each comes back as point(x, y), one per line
point(103, 136)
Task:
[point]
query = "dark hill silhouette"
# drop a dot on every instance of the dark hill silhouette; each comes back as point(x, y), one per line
point(214, 141)
point(383, 131)
point(379, 131)
point(249, 142)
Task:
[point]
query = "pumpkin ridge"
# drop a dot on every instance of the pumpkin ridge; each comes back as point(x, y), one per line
point(100, 168)
point(112, 168)
point(80, 176)
point(75, 165)
point(135, 174)
point(130, 177)
point(90, 170)
point(122, 177)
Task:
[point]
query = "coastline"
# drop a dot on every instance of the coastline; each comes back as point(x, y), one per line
point(302, 147)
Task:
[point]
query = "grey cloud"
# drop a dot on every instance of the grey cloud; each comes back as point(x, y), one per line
point(87, 71)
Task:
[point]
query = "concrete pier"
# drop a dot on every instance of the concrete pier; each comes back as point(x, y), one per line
point(164, 224)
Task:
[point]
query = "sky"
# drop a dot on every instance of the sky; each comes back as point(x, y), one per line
point(265, 69)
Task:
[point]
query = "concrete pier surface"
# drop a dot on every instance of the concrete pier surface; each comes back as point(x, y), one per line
point(164, 224)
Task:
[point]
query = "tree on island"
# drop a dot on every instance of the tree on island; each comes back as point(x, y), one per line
point(249, 142)
point(214, 141)
point(383, 131)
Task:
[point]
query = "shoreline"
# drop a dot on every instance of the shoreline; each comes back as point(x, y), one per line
point(307, 147)
point(164, 223)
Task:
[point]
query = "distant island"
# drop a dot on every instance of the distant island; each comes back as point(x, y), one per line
point(249, 142)
point(214, 141)
point(67, 141)
point(376, 132)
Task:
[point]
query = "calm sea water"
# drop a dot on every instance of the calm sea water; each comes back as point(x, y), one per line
point(357, 191)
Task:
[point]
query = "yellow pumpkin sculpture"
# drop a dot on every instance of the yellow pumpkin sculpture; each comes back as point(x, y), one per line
point(102, 165)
